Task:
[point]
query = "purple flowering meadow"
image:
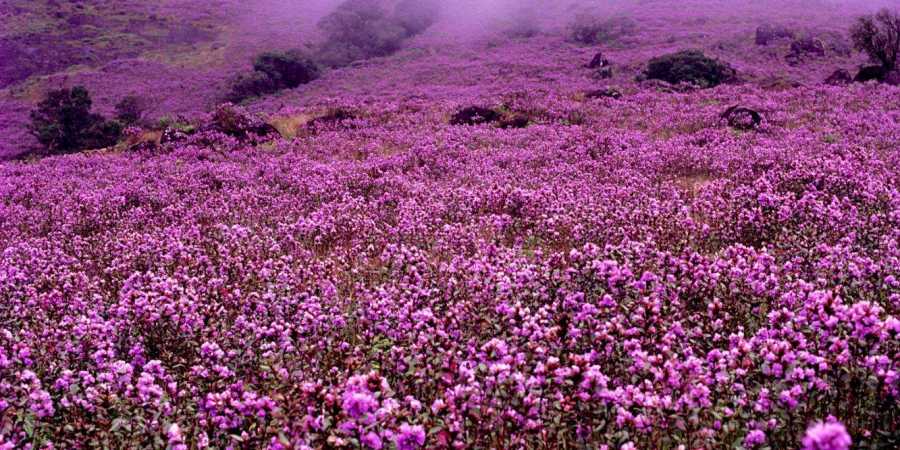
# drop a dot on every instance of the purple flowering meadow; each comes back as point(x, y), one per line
point(589, 259)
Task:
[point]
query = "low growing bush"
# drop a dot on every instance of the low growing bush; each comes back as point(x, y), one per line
point(358, 29)
point(589, 29)
point(416, 16)
point(691, 67)
point(362, 29)
point(768, 33)
point(63, 122)
point(272, 72)
point(879, 37)
point(130, 110)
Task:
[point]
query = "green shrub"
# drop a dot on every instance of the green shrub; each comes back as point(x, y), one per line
point(286, 70)
point(130, 110)
point(358, 29)
point(416, 16)
point(63, 122)
point(689, 66)
point(588, 29)
point(879, 37)
point(272, 72)
point(361, 29)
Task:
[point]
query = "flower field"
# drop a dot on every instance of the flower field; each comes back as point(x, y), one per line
point(624, 273)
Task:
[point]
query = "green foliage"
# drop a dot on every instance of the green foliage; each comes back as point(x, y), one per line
point(177, 124)
point(103, 133)
point(689, 66)
point(130, 110)
point(879, 37)
point(273, 71)
point(361, 29)
point(588, 29)
point(63, 122)
point(286, 70)
point(416, 16)
point(358, 29)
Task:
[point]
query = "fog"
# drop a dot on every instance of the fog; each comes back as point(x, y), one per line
point(293, 22)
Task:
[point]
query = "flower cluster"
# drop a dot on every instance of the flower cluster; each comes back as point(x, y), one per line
point(622, 273)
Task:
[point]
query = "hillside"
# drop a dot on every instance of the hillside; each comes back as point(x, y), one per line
point(613, 262)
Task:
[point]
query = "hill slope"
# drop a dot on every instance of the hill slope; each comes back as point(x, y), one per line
point(627, 271)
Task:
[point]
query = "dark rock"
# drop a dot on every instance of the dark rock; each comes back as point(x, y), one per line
point(804, 48)
point(839, 77)
point(808, 46)
point(892, 78)
point(658, 85)
point(474, 115)
point(836, 43)
point(515, 121)
point(742, 118)
point(607, 92)
point(599, 61)
point(869, 73)
point(236, 121)
point(170, 135)
point(144, 146)
point(779, 83)
point(603, 73)
point(332, 118)
point(768, 33)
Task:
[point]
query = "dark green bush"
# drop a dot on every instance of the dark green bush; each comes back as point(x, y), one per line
point(286, 70)
point(358, 29)
point(416, 16)
point(879, 37)
point(130, 110)
point(361, 29)
point(253, 84)
point(689, 66)
point(104, 133)
point(768, 33)
point(588, 29)
point(272, 72)
point(63, 122)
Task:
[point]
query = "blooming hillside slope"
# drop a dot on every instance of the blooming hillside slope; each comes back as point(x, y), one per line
point(629, 271)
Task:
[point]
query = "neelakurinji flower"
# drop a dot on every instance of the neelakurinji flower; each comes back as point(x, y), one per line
point(827, 436)
point(410, 437)
point(620, 265)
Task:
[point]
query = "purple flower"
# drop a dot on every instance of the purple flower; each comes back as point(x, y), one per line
point(371, 440)
point(41, 404)
point(410, 437)
point(176, 440)
point(754, 438)
point(827, 436)
point(356, 404)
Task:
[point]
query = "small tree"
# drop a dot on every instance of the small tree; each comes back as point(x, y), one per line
point(130, 110)
point(63, 122)
point(589, 29)
point(689, 66)
point(879, 37)
point(416, 16)
point(272, 72)
point(361, 29)
point(253, 84)
point(286, 70)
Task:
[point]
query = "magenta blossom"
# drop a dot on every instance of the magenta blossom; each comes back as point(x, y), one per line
point(827, 436)
point(410, 437)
